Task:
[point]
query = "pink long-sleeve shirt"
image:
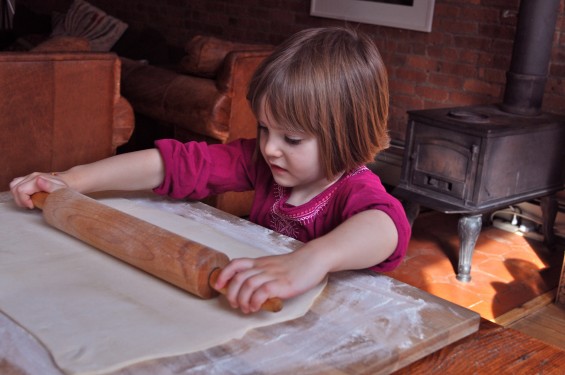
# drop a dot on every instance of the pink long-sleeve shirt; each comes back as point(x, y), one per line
point(197, 170)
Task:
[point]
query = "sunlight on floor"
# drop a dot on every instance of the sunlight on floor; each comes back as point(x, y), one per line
point(507, 269)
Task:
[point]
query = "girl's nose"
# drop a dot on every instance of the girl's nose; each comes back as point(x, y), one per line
point(271, 148)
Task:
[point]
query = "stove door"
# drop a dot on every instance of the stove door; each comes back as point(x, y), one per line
point(442, 166)
point(443, 163)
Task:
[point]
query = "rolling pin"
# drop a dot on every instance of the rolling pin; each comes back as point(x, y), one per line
point(186, 264)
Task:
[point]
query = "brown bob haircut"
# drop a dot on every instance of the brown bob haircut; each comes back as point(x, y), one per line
point(331, 83)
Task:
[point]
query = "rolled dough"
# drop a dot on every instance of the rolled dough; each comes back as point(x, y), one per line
point(95, 314)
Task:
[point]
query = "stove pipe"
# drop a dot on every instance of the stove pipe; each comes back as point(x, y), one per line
point(525, 81)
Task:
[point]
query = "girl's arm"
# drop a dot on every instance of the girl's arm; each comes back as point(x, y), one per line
point(131, 171)
point(362, 241)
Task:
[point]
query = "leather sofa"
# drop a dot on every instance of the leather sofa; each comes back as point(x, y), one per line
point(202, 99)
point(61, 106)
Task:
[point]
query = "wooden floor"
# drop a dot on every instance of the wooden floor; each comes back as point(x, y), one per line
point(514, 279)
point(546, 323)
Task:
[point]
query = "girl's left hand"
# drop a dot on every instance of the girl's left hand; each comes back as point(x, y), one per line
point(253, 281)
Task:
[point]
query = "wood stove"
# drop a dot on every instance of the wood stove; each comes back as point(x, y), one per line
point(472, 160)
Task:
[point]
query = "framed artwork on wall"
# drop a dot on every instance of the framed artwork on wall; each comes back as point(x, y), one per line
point(404, 14)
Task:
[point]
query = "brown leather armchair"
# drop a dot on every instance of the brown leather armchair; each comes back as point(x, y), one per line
point(203, 99)
point(59, 109)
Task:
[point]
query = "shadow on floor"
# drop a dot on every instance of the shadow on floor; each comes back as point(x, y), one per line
point(507, 269)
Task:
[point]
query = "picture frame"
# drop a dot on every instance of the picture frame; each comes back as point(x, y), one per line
point(417, 16)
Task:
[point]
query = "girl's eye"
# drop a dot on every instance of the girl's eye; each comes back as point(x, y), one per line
point(293, 141)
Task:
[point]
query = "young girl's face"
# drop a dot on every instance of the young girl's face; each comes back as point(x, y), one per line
point(293, 158)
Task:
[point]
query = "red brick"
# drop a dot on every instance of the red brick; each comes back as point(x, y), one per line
point(464, 99)
point(482, 14)
point(457, 26)
point(450, 82)
point(498, 31)
point(421, 63)
point(401, 87)
point(443, 53)
point(411, 75)
point(481, 87)
point(407, 101)
point(497, 76)
point(458, 69)
point(469, 56)
point(432, 93)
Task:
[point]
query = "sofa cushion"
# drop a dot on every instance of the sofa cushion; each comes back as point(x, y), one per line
point(180, 100)
point(85, 20)
point(205, 54)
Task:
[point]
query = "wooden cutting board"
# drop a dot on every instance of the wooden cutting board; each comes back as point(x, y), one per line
point(362, 323)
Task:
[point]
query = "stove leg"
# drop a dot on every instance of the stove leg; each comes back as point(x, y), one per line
point(549, 213)
point(469, 228)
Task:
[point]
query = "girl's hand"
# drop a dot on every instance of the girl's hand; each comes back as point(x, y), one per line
point(253, 281)
point(23, 188)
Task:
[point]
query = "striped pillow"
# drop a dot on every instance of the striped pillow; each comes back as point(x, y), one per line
point(86, 21)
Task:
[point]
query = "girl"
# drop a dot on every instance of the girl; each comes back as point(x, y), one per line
point(321, 100)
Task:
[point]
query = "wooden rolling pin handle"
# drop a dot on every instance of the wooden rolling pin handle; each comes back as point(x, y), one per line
point(39, 198)
point(272, 304)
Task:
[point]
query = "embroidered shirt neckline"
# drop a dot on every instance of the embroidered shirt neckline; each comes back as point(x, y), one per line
point(308, 211)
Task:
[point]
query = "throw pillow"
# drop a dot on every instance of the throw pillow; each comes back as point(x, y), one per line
point(85, 20)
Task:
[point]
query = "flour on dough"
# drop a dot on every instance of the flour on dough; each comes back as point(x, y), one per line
point(95, 314)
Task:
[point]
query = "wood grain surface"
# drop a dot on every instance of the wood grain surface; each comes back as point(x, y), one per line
point(492, 350)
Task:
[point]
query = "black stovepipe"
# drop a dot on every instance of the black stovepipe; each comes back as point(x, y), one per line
point(525, 81)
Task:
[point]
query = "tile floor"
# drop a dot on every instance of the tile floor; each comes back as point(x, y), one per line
point(507, 269)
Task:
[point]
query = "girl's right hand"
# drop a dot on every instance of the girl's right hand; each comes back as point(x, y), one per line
point(23, 188)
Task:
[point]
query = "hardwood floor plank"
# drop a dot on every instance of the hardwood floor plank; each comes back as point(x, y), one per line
point(547, 324)
point(526, 309)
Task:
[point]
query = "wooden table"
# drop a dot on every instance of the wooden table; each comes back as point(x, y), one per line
point(349, 329)
point(492, 350)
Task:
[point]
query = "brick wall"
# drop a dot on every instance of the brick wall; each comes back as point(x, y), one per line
point(463, 61)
